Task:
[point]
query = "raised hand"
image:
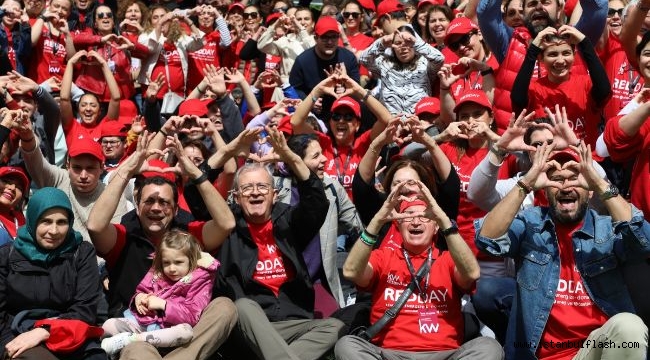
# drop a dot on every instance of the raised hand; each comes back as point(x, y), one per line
point(589, 177)
point(536, 176)
point(455, 130)
point(447, 76)
point(564, 135)
point(513, 138)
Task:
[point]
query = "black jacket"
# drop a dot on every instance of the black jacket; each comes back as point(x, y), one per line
point(293, 228)
point(70, 285)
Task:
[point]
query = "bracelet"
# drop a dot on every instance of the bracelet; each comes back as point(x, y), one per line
point(498, 152)
point(163, 132)
point(487, 72)
point(198, 88)
point(365, 97)
point(314, 99)
point(526, 189)
point(368, 238)
point(42, 17)
point(200, 179)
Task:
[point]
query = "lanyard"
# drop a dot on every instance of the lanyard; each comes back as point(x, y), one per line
point(55, 41)
point(631, 84)
point(341, 173)
point(414, 277)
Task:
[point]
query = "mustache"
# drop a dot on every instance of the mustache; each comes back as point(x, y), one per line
point(535, 29)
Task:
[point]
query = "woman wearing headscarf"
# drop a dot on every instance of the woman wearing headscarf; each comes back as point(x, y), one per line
point(49, 279)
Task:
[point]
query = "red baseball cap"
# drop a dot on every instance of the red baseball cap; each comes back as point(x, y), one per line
point(128, 112)
point(113, 128)
point(565, 155)
point(326, 24)
point(428, 105)
point(473, 96)
point(86, 146)
point(408, 203)
point(16, 173)
point(157, 163)
point(194, 107)
point(285, 125)
point(387, 7)
point(423, 3)
point(272, 17)
point(367, 4)
point(235, 6)
point(68, 335)
point(459, 26)
point(349, 103)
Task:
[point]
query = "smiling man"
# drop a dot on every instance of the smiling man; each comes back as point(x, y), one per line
point(570, 289)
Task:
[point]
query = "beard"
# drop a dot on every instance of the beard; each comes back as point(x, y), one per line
point(568, 219)
point(535, 29)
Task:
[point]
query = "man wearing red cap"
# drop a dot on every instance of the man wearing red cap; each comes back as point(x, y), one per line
point(81, 181)
point(430, 324)
point(390, 16)
point(307, 71)
point(113, 143)
point(571, 300)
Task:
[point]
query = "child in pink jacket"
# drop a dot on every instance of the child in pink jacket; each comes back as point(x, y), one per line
point(169, 300)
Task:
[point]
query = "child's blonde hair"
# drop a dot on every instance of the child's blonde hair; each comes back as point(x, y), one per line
point(181, 241)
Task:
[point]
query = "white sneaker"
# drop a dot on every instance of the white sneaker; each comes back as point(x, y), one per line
point(114, 344)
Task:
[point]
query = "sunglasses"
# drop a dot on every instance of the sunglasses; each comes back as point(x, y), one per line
point(463, 40)
point(611, 12)
point(355, 15)
point(345, 117)
point(282, 10)
point(104, 15)
point(251, 15)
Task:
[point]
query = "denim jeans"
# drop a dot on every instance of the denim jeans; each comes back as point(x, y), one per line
point(492, 302)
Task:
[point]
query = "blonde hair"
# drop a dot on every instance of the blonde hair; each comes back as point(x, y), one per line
point(181, 241)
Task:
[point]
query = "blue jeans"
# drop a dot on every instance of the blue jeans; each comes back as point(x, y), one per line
point(492, 302)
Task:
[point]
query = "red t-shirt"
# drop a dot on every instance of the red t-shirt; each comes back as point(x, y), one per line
point(78, 130)
point(574, 94)
point(176, 80)
point(48, 57)
point(428, 322)
point(198, 60)
point(195, 228)
point(270, 269)
point(360, 42)
point(625, 80)
point(467, 211)
point(473, 81)
point(342, 162)
point(573, 315)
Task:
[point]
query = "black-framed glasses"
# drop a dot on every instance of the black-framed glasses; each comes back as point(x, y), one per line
point(421, 218)
point(111, 142)
point(262, 188)
point(611, 12)
point(355, 15)
point(345, 117)
point(104, 15)
point(463, 40)
point(250, 15)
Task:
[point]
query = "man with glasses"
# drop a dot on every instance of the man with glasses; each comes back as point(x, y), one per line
point(307, 71)
point(127, 247)
point(262, 267)
point(113, 143)
point(429, 324)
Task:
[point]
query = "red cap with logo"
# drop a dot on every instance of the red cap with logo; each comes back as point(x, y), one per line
point(423, 3)
point(157, 166)
point(473, 96)
point(16, 173)
point(236, 6)
point(326, 24)
point(387, 7)
point(86, 146)
point(367, 4)
point(459, 26)
point(349, 103)
point(272, 17)
point(113, 128)
point(428, 105)
point(194, 107)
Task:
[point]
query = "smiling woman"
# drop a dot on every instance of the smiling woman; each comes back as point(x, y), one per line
point(13, 185)
point(50, 267)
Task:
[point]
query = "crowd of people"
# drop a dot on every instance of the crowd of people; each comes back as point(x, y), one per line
point(358, 179)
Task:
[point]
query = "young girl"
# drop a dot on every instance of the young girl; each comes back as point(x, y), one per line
point(169, 300)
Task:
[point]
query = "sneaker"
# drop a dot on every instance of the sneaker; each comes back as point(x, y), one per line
point(114, 344)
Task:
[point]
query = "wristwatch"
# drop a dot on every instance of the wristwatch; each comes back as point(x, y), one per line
point(612, 191)
point(453, 229)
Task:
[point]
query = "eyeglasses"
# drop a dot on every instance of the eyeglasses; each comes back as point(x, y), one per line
point(280, 10)
point(251, 15)
point(355, 15)
point(111, 142)
point(104, 15)
point(161, 202)
point(421, 218)
point(346, 117)
point(463, 40)
point(611, 12)
point(247, 189)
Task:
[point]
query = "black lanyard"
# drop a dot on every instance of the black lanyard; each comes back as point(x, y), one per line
point(414, 276)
